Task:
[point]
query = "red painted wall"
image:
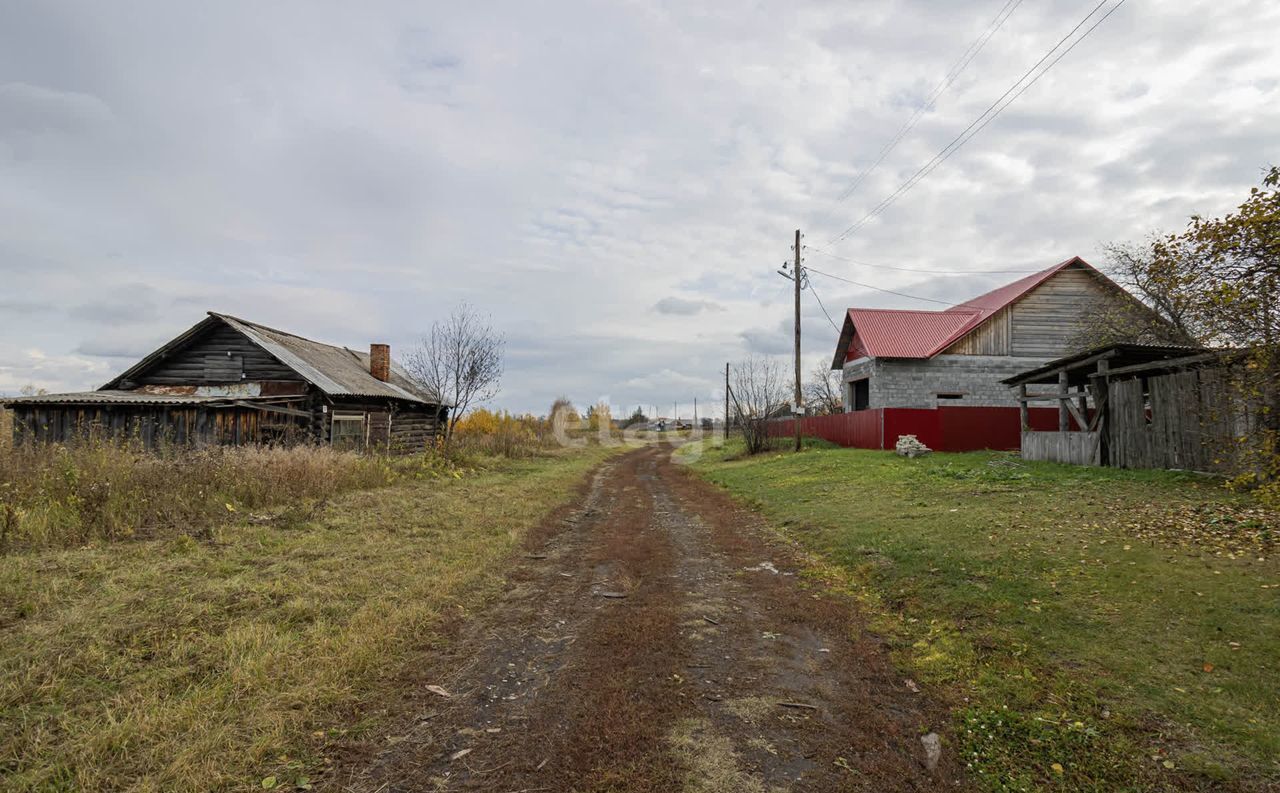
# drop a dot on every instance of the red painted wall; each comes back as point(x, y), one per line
point(945, 429)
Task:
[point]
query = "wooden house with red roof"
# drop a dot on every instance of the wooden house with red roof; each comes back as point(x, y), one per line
point(937, 374)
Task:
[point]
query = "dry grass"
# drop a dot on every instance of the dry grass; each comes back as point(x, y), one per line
point(712, 764)
point(6, 430)
point(70, 495)
point(172, 664)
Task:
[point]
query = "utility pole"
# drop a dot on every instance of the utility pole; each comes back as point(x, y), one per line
point(695, 413)
point(798, 278)
point(726, 400)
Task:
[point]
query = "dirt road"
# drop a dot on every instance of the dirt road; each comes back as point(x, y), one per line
point(655, 639)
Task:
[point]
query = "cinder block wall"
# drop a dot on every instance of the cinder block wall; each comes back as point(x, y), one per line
point(916, 383)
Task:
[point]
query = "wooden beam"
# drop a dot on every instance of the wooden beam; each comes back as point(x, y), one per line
point(1075, 413)
point(1053, 395)
point(1063, 423)
point(273, 409)
point(1046, 371)
point(1024, 413)
point(1171, 363)
point(1101, 396)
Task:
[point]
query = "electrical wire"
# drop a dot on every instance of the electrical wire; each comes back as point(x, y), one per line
point(821, 306)
point(829, 254)
point(986, 117)
point(880, 289)
point(952, 75)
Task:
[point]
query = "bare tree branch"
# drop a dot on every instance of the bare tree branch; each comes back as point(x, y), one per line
point(759, 392)
point(460, 361)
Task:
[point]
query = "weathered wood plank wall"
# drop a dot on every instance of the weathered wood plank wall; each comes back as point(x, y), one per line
point(993, 337)
point(1185, 420)
point(1077, 448)
point(152, 427)
point(1045, 322)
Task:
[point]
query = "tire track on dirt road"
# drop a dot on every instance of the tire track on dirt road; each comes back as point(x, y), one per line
point(659, 641)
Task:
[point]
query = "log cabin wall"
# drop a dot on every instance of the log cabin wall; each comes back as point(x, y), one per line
point(150, 426)
point(389, 427)
point(220, 355)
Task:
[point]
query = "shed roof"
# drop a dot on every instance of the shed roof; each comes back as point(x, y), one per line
point(1079, 366)
point(115, 397)
point(903, 333)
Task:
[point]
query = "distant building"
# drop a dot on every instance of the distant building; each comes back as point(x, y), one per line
point(227, 381)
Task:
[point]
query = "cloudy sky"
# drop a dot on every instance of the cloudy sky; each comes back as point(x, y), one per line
point(615, 182)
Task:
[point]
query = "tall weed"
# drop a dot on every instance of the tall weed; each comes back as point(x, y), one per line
point(53, 495)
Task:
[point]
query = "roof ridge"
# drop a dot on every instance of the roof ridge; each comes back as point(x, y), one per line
point(269, 329)
point(914, 310)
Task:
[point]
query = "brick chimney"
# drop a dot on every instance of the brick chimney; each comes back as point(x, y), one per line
point(380, 361)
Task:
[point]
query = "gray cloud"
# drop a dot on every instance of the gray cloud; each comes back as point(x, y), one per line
point(595, 175)
point(680, 307)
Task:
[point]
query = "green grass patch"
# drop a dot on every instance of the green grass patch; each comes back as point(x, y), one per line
point(184, 664)
point(1096, 629)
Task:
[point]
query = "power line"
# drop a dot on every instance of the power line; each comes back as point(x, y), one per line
point(879, 289)
point(829, 254)
point(953, 73)
point(821, 306)
point(986, 117)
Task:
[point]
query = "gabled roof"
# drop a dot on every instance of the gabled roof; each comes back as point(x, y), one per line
point(902, 333)
point(336, 371)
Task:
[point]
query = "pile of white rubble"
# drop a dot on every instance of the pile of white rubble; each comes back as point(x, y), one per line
point(910, 446)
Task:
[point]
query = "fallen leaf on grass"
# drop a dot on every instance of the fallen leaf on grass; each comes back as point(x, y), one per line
point(1058, 769)
point(1208, 667)
point(459, 753)
point(439, 691)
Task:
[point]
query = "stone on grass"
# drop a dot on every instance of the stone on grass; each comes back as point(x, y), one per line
point(910, 446)
point(932, 750)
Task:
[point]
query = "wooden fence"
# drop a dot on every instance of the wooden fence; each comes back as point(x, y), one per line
point(1189, 420)
point(1077, 448)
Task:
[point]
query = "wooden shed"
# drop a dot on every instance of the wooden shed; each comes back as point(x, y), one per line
point(227, 381)
point(1137, 406)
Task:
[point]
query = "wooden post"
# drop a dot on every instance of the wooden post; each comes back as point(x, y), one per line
point(799, 401)
point(1064, 420)
point(1024, 413)
point(726, 400)
point(1101, 403)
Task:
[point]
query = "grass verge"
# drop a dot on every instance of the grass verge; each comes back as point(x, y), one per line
point(173, 663)
point(1094, 629)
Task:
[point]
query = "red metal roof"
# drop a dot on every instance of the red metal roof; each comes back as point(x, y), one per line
point(893, 333)
point(901, 333)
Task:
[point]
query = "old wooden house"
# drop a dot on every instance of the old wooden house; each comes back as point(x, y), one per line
point(1139, 406)
point(227, 381)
